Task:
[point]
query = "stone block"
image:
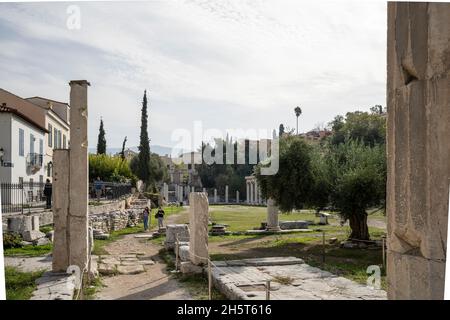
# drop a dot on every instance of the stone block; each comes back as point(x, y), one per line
point(189, 268)
point(19, 224)
point(42, 241)
point(132, 269)
point(288, 225)
point(174, 230)
point(32, 235)
point(35, 222)
point(183, 253)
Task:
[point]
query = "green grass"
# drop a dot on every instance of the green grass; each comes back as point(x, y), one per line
point(20, 285)
point(91, 289)
point(29, 251)
point(45, 229)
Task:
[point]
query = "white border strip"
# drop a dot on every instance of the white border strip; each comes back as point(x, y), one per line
point(447, 264)
point(2, 262)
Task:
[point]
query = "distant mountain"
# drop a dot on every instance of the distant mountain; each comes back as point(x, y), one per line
point(160, 150)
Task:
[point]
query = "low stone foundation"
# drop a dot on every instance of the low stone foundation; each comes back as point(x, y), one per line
point(116, 220)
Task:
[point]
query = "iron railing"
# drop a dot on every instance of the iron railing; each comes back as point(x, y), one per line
point(34, 160)
point(110, 190)
point(17, 197)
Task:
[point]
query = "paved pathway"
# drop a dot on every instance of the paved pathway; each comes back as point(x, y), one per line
point(290, 279)
point(30, 264)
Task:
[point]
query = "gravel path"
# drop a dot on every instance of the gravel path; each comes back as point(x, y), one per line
point(153, 284)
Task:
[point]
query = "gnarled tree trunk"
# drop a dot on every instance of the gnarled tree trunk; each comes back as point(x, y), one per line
point(358, 224)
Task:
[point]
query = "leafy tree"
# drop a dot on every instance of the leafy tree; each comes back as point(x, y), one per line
point(281, 130)
point(292, 185)
point(143, 170)
point(101, 143)
point(370, 128)
point(358, 178)
point(157, 170)
point(122, 153)
point(319, 196)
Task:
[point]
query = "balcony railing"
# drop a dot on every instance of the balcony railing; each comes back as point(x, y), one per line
point(34, 160)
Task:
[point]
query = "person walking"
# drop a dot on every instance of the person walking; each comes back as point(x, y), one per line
point(146, 215)
point(98, 186)
point(160, 216)
point(48, 194)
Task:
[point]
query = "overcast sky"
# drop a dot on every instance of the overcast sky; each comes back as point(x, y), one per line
point(230, 64)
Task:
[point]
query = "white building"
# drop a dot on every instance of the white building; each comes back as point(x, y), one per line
point(57, 122)
point(21, 147)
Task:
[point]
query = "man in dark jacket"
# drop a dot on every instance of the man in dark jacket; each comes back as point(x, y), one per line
point(48, 193)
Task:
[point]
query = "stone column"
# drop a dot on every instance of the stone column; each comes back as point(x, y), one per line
point(248, 192)
point(176, 193)
point(251, 192)
point(256, 191)
point(60, 208)
point(259, 195)
point(198, 228)
point(78, 176)
point(272, 216)
point(237, 196)
point(215, 195)
point(418, 148)
point(226, 194)
point(204, 190)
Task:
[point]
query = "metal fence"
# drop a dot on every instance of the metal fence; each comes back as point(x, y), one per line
point(110, 190)
point(26, 196)
point(17, 197)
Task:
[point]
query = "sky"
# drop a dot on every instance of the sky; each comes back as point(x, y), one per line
point(229, 64)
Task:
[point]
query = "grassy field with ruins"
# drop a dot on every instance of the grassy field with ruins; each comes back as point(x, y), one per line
point(350, 263)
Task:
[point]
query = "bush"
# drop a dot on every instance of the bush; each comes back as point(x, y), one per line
point(109, 168)
point(11, 240)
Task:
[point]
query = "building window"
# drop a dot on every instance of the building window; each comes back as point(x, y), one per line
point(64, 142)
point(31, 143)
point(55, 138)
point(59, 139)
point(50, 135)
point(21, 142)
point(21, 180)
point(41, 146)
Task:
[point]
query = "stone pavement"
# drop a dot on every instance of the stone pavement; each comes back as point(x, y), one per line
point(30, 264)
point(55, 286)
point(290, 279)
point(130, 263)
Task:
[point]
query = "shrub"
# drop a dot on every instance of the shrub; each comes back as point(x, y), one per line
point(12, 240)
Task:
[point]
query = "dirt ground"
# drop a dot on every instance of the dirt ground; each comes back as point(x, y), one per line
point(154, 284)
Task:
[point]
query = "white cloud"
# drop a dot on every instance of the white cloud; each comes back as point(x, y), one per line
point(229, 63)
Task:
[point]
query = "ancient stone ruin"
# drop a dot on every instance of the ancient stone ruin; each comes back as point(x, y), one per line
point(418, 148)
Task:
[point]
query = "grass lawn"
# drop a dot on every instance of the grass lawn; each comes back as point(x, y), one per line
point(20, 285)
point(29, 251)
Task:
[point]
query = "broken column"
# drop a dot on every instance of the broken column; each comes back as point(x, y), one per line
point(418, 149)
point(272, 216)
point(71, 239)
point(198, 228)
point(215, 195)
point(237, 196)
point(226, 194)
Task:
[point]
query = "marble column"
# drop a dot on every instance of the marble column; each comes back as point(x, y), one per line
point(418, 152)
point(251, 192)
point(237, 196)
point(272, 216)
point(256, 191)
point(215, 195)
point(247, 187)
point(198, 228)
point(226, 194)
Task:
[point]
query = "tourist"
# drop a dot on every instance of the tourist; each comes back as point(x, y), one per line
point(98, 186)
point(160, 216)
point(48, 193)
point(146, 214)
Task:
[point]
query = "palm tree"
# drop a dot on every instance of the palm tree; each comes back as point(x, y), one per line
point(298, 112)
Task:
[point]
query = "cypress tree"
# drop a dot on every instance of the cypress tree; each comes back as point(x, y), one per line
point(144, 145)
point(101, 144)
point(122, 154)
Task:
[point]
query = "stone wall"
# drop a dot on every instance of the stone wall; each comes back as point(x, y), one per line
point(115, 220)
point(418, 148)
